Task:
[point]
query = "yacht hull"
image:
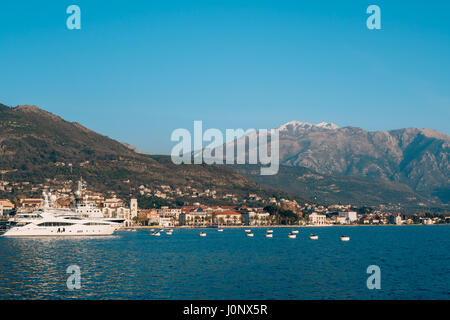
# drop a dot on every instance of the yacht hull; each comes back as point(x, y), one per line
point(69, 231)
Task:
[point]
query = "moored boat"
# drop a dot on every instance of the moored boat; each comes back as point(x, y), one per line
point(202, 234)
point(48, 224)
point(249, 234)
point(313, 237)
point(292, 236)
point(345, 238)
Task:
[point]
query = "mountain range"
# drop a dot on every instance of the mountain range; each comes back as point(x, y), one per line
point(397, 167)
point(418, 158)
point(405, 168)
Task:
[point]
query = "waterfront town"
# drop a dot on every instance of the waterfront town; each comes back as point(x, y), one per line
point(252, 210)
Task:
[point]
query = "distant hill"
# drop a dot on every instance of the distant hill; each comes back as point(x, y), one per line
point(332, 189)
point(135, 149)
point(33, 141)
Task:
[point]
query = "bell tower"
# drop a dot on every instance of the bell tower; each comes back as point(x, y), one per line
point(133, 208)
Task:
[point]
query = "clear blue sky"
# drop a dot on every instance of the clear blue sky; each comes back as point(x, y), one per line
point(139, 69)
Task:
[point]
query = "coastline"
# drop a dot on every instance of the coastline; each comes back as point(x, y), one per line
point(280, 226)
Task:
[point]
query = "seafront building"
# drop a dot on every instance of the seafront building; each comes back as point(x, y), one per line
point(317, 219)
point(227, 218)
point(6, 207)
point(248, 210)
point(395, 219)
point(347, 217)
point(116, 209)
point(255, 218)
point(31, 203)
point(195, 217)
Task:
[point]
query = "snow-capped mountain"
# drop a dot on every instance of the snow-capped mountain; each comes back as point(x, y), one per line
point(419, 158)
point(299, 126)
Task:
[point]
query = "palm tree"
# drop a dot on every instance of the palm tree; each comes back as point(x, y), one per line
point(256, 218)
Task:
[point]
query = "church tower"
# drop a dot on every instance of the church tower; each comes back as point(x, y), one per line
point(133, 208)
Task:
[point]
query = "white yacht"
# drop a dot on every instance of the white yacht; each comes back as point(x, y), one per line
point(47, 224)
point(85, 219)
point(345, 238)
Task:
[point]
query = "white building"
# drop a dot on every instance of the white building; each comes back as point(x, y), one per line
point(169, 212)
point(195, 217)
point(227, 218)
point(166, 222)
point(317, 219)
point(128, 214)
point(347, 217)
point(113, 203)
point(252, 218)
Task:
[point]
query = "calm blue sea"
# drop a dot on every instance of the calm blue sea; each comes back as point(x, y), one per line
point(414, 263)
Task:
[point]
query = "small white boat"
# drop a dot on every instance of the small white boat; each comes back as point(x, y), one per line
point(169, 233)
point(248, 230)
point(249, 234)
point(292, 236)
point(314, 237)
point(269, 231)
point(162, 230)
point(294, 231)
point(170, 230)
point(202, 234)
point(157, 234)
point(269, 235)
point(219, 230)
point(152, 230)
point(345, 238)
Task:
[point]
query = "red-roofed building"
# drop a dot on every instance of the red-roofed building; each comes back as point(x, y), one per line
point(31, 203)
point(227, 218)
